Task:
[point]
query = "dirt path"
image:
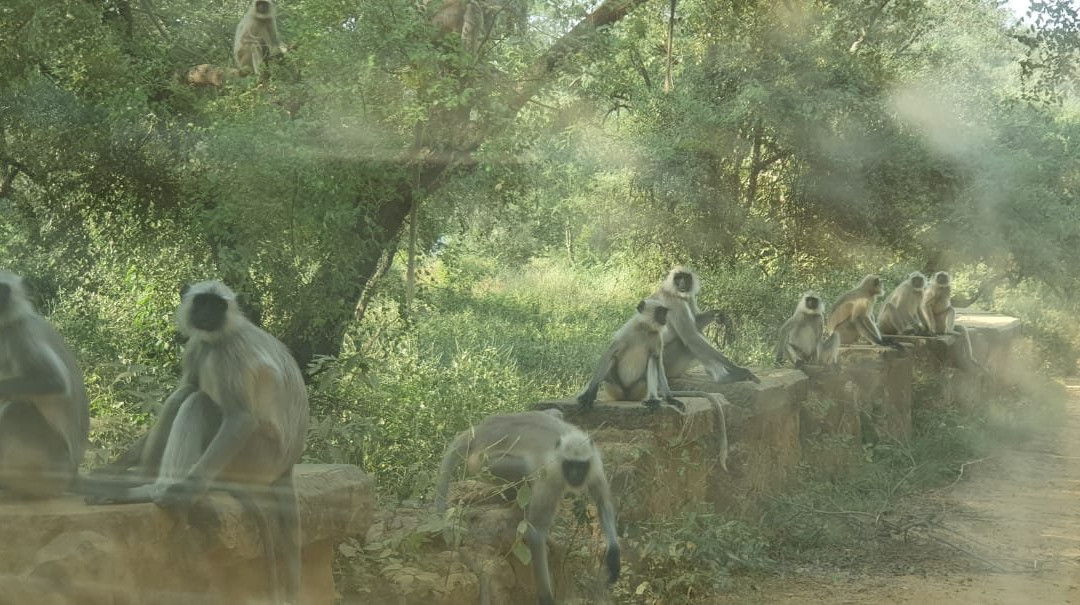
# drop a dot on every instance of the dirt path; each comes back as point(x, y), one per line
point(1018, 510)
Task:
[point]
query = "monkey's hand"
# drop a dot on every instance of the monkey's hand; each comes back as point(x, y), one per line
point(652, 403)
point(587, 398)
point(611, 560)
point(675, 403)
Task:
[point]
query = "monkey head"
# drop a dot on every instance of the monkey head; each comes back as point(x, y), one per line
point(575, 451)
point(871, 285)
point(653, 312)
point(917, 280)
point(811, 303)
point(206, 309)
point(682, 282)
point(942, 278)
point(13, 300)
point(264, 8)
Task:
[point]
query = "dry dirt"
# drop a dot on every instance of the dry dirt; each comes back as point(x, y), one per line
point(1008, 532)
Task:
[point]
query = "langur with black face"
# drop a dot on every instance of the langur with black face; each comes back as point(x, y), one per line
point(902, 312)
point(553, 457)
point(237, 422)
point(44, 410)
point(684, 343)
point(941, 316)
point(632, 369)
point(802, 335)
point(256, 37)
point(851, 315)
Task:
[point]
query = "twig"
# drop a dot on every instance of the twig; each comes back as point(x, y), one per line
point(962, 467)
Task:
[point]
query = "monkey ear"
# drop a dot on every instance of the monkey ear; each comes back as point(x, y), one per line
point(641, 307)
point(184, 289)
point(558, 442)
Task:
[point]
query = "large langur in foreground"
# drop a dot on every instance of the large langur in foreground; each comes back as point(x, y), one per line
point(553, 457)
point(256, 36)
point(684, 343)
point(851, 318)
point(941, 316)
point(902, 312)
point(802, 335)
point(237, 422)
point(44, 412)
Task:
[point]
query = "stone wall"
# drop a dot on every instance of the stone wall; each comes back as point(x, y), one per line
point(659, 462)
point(73, 554)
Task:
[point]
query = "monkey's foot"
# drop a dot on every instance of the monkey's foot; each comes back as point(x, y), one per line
point(177, 496)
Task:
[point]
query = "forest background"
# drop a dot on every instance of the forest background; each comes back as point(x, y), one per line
point(546, 182)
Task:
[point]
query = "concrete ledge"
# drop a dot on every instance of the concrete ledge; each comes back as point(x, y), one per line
point(63, 551)
point(878, 380)
point(763, 429)
point(992, 338)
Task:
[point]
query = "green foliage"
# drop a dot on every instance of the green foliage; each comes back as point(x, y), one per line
point(690, 556)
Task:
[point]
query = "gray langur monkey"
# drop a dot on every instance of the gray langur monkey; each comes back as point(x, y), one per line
point(851, 315)
point(553, 457)
point(902, 312)
point(802, 337)
point(941, 316)
point(44, 410)
point(237, 422)
point(632, 366)
point(684, 343)
point(256, 37)
point(632, 369)
point(459, 16)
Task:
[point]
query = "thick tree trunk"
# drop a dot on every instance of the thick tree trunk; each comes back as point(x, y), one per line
point(309, 336)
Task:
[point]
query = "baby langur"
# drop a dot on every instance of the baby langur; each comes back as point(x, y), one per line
point(802, 335)
point(44, 411)
point(851, 318)
point(238, 421)
point(902, 312)
point(941, 316)
point(554, 457)
point(633, 368)
point(256, 36)
point(684, 343)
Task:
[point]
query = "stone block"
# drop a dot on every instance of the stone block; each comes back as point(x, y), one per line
point(878, 380)
point(63, 551)
point(763, 431)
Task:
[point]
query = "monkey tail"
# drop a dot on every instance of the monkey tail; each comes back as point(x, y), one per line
point(269, 545)
point(723, 420)
point(450, 463)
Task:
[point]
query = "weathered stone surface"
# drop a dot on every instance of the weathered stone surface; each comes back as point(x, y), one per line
point(879, 382)
point(763, 428)
point(657, 461)
point(830, 423)
point(992, 338)
point(63, 551)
